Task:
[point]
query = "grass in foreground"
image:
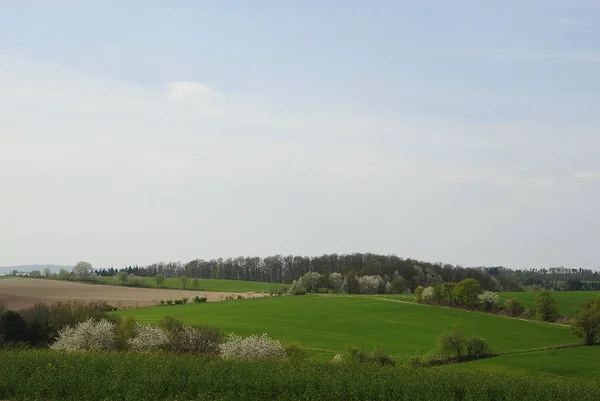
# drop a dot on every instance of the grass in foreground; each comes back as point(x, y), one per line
point(580, 361)
point(210, 285)
point(566, 301)
point(329, 323)
point(51, 375)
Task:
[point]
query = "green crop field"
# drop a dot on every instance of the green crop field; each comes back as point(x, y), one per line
point(43, 375)
point(210, 285)
point(580, 361)
point(566, 301)
point(329, 323)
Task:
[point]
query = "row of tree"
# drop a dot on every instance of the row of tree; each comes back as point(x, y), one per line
point(286, 269)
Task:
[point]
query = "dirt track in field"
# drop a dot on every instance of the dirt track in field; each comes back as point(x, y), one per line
point(20, 293)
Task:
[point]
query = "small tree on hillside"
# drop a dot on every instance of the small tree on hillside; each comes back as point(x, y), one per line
point(513, 307)
point(160, 280)
point(196, 283)
point(446, 292)
point(465, 293)
point(122, 277)
point(335, 282)
point(419, 294)
point(545, 306)
point(586, 323)
point(452, 343)
point(184, 280)
point(352, 284)
point(82, 270)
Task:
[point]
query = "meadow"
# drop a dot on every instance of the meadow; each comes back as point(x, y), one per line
point(569, 362)
point(48, 375)
point(566, 301)
point(216, 285)
point(327, 324)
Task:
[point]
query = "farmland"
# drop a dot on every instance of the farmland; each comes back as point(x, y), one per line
point(20, 293)
point(580, 361)
point(327, 324)
point(39, 374)
point(215, 285)
point(566, 301)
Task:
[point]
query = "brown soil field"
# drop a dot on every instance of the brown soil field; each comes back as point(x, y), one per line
point(20, 293)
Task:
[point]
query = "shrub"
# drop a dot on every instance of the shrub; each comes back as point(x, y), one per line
point(476, 347)
point(162, 302)
point(428, 295)
point(125, 330)
point(252, 347)
point(240, 297)
point(3, 306)
point(184, 300)
point(586, 323)
point(378, 356)
point(488, 300)
point(196, 341)
point(545, 306)
point(465, 293)
point(298, 287)
point(451, 343)
point(199, 300)
point(169, 302)
point(148, 338)
point(295, 352)
point(419, 294)
point(513, 307)
point(371, 284)
point(446, 293)
point(13, 328)
point(89, 335)
point(169, 324)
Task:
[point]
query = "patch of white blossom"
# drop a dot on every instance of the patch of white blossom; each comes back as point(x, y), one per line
point(252, 347)
point(90, 335)
point(148, 338)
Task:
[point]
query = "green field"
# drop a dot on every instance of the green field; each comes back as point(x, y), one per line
point(580, 361)
point(43, 375)
point(566, 301)
point(210, 285)
point(327, 324)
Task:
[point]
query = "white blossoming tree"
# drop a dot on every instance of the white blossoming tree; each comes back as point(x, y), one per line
point(252, 347)
point(90, 335)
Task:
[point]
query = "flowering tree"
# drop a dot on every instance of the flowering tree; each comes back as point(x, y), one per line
point(253, 347)
point(335, 282)
point(148, 338)
point(89, 335)
point(370, 284)
point(428, 295)
point(489, 299)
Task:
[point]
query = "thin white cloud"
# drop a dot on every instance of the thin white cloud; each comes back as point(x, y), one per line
point(189, 89)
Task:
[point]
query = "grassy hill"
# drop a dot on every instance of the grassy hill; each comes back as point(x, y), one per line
point(580, 361)
point(327, 324)
point(566, 301)
point(210, 285)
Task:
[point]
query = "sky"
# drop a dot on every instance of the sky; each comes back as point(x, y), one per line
point(464, 132)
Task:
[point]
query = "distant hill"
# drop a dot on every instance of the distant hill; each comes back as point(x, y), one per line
point(28, 268)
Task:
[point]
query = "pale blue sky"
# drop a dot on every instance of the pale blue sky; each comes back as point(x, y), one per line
point(136, 131)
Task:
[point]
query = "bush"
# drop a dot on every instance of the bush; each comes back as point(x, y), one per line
point(195, 341)
point(512, 307)
point(476, 347)
point(451, 343)
point(148, 338)
point(294, 352)
point(199, 300)
point(3, 306)
point(419, 294)
point(125, 330)
point(169, 324)
point(378, 356)
point(169, 302)
point(298, 287)
point(428, 295)
point(466, 292)
point(162, 302)
point(13, 328)
point(184, 300)
point(489, 300)
point(545, 306)
point(586, 323)
point(252, 347)
point(89, 335)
